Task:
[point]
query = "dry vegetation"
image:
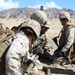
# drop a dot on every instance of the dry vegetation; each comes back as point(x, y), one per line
point(54, 30)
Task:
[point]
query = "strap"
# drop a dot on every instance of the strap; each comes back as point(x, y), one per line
point(6, 37)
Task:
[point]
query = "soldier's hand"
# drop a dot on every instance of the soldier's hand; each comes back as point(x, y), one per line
point(37, 50)
point(58, 53)
point(29, 61)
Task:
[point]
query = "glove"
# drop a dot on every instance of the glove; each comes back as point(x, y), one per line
point(58, 53)
point(37, 50)
point(29, 62)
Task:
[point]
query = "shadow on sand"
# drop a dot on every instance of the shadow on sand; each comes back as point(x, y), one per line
point(59, 71)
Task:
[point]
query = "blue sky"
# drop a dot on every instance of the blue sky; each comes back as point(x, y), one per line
point(60, 4)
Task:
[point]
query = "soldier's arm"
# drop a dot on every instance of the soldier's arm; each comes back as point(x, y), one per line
point(17, 50)
point(56, 39)
point(70, 40)
point(13, 59)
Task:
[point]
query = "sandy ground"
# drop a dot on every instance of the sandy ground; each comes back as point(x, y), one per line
point(54, 30)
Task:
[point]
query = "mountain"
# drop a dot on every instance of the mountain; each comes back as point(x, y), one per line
point(26, 12)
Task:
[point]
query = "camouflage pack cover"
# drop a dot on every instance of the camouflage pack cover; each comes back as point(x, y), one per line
point(5, 34)
point(3, 38)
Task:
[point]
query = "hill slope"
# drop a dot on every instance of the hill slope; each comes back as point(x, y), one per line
point(26, 12)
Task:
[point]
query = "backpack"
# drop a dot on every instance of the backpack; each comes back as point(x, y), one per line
point(5, 34)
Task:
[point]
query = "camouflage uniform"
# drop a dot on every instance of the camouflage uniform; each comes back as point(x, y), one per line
point(66, 36)
point(66, 40)
point(41, 17)
point(19, 48)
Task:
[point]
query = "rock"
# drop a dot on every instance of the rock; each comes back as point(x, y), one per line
point(26, 12)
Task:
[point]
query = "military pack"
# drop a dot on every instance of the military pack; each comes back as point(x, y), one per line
point(5, 34)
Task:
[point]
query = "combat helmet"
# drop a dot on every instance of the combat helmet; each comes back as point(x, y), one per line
point(47, 24)
point(32, 24)
point(39, 16)
point(64, 15)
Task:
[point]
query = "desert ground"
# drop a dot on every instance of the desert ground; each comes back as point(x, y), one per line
point(54, 30)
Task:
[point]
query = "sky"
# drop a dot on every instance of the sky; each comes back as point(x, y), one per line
point(60, 4)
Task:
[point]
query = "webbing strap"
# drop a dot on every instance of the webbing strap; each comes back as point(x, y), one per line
point(8, 35)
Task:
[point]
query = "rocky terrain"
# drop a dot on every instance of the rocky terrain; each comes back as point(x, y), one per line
point(26, 12)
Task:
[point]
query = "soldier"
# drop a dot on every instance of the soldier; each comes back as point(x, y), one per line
point(27, 34)
point(66, 39)
point(41, 17)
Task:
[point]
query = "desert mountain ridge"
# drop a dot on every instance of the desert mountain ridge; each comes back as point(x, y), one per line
point(26, 12)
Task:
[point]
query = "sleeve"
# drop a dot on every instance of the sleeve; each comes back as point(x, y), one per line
point(70, 40)
point(13, 57)
point(12, 65)
point(47, 43)
point(57, 38)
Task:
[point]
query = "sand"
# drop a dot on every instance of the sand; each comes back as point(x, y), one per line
point(54, 30)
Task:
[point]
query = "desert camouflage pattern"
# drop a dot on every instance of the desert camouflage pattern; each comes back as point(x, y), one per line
point(42, 44)
point(15, 51)
point(40, 16)
point(19, 48)
point(47, 24)
point(64, 15)
point(67, 40)
point(32, 24)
